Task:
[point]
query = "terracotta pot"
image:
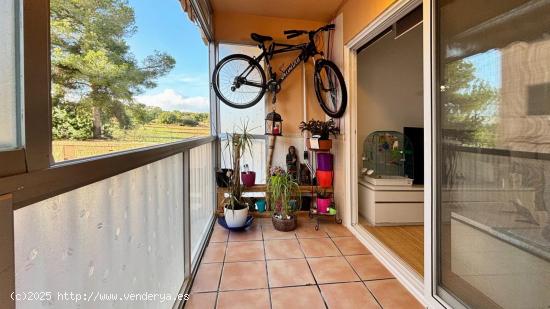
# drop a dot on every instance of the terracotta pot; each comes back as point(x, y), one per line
point(324, 144)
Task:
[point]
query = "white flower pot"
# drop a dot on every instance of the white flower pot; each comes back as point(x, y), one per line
point(235, 218)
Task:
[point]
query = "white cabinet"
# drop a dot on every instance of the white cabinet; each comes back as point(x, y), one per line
point(391, 205)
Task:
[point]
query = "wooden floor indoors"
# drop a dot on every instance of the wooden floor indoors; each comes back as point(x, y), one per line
point(406, 241)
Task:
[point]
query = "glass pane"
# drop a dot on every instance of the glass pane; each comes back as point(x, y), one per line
point(115, 237)
point(202, 199)
point(494, 153)
point(231, 119)
point(9, 115)
point(125, 74)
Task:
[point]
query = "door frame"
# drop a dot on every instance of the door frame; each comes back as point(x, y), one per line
point(424, 289)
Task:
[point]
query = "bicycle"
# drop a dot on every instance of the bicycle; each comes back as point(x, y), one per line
point(240, 81)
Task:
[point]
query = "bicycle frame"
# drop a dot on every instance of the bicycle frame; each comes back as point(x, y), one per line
point(308, 50)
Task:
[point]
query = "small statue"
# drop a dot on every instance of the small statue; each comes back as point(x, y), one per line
point(292, 162)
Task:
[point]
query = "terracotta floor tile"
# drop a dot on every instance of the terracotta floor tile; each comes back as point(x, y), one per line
point(368, 267)
point(296, 298)
point(244, 251)
point(219, 235)
point(264, 221)
point(201, 301)
point(336, 230)
point(349, 295)
point(350, 246)
point(289, 273)
point(271, 233)
point(331, 270)
point(207, 278)
point(317, 247)
point(391, 294)
point(214, 253)
point(252, 233)
point(255, 299)
point(308, 231)
point(277, 249)
point(243, 275)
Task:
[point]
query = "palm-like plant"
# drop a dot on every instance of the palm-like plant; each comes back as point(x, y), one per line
point(281, 187)
point(237, 144)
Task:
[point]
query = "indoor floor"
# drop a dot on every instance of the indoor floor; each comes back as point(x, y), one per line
point(265, 268)
point(407, 241)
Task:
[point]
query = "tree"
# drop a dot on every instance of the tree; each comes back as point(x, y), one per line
point(467, 105)
point(91, 61)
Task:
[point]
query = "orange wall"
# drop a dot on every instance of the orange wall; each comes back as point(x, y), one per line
point(236, 28)
point(359, 13)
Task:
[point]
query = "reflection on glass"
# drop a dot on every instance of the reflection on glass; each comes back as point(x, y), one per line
point(494, 153)
point(125, 74)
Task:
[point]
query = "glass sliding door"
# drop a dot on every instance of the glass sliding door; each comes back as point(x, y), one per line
point(493, 153)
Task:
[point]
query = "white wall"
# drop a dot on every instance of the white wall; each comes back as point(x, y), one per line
point(389, 85)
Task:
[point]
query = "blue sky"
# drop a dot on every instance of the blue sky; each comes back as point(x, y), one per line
point(162, 25)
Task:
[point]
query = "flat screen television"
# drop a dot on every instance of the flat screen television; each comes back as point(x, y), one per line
point(416, 168)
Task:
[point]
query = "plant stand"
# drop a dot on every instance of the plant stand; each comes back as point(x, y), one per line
point(313, 213)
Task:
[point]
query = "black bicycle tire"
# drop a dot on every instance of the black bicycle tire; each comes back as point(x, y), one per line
point(318, 66)
point(215, 84)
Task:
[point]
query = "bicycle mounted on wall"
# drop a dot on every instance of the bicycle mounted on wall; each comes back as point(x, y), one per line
point(240, 81)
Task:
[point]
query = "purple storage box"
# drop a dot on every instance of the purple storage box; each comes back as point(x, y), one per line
point(324, 161)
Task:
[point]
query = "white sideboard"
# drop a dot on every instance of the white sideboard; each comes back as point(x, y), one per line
point(391, 205)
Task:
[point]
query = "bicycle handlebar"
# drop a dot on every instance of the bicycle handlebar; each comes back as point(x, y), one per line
point(295, 33)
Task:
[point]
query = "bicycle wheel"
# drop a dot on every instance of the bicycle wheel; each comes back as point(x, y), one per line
point(330, 88)
point(239, 81)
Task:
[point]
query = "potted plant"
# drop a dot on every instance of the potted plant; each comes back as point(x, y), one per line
point(320, 130)
point(281, 187)
point(324, 200)
point(235, 205)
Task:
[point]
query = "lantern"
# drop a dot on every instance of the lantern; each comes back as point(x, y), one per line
point(273, 124)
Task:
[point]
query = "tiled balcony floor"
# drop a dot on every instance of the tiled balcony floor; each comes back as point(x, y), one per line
point(265, 268)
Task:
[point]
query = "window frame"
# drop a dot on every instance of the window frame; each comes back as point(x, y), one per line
point(14, 159)
point(29, 173)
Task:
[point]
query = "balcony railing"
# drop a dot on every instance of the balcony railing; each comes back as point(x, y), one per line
point(138, 231)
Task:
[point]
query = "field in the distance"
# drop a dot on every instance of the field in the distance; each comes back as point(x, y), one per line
point(142, 136)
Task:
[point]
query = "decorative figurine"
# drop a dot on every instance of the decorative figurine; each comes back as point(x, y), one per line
point(292, 162)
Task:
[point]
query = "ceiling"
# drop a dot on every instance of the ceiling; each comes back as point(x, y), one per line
point(318, 10)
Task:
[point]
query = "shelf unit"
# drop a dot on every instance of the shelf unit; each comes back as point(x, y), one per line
point(313, 213)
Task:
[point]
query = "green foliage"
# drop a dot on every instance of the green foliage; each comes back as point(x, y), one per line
point(281, 188)
point(189, 122)
point(238, 143)
point(181, 118)
point(321, 128)
point(468, 105)
point(69, 122)
point(92, 64)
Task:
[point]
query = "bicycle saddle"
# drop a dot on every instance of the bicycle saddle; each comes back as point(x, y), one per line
point(260, 38)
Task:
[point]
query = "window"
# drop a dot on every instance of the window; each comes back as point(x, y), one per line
point(493, 160)
point(125, 74)
point(10, 117)
point(538, 99)
point(231, 119)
